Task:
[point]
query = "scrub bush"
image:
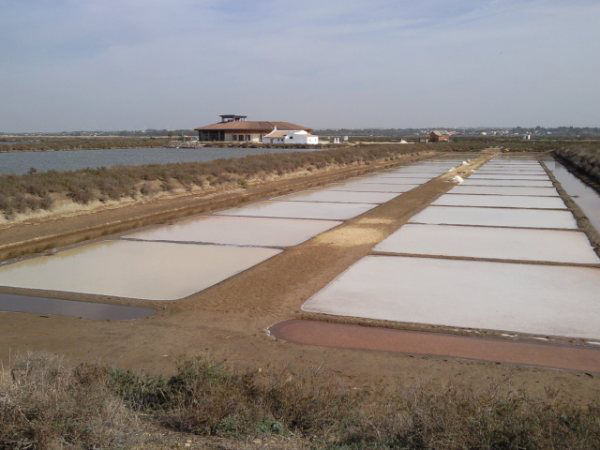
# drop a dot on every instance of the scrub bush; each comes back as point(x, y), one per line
point(47, 404)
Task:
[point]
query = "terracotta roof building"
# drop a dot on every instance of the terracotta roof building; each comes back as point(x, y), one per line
point(439, 136)
point(235, 128)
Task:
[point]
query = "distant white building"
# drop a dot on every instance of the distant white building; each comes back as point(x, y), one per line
point(287, 137)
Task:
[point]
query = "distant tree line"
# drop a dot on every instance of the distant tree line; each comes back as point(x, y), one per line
point(352, 132)
point(405, 132)
point(122, 133)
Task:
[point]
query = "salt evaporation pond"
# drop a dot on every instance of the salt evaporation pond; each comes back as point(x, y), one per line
point(525, 298)
point(133, 269)
point(240, 231)
point(302, 210)
point(500, 201)
point(497, 243)
point(373, 187)
point(496, 217)
point(20, 162)
point(423, 280)
point(176, 260)
point(329, 195)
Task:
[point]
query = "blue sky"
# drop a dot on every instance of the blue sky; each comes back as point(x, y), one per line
point(136, 64)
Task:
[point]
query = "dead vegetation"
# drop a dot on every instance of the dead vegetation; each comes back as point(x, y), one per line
point(45, 403)
point(41, 190)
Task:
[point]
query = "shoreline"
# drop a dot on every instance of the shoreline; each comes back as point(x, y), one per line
point(35, 234)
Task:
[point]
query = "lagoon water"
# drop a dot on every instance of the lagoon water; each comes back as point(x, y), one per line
point(20, 162)
point(586, 197)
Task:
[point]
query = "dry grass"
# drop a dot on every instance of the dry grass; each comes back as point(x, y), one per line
point(47, 405)
point(44, 404)
point(33, 191)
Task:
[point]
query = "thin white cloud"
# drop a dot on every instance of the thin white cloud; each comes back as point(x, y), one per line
point(158, 63)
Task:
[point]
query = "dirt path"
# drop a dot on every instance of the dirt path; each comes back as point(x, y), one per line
point(228, 321)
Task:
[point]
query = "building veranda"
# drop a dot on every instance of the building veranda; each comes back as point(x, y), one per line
point(235, 128)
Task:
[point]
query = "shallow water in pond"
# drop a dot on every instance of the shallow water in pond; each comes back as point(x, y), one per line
point(526, 298)
point(496, 217)
point(239, 231)
point(20, 162)
point(58, 307)
point(133, 269)
point(497, 243)
point(500, 201)
point(336, 196)
point(301, 210)
point(585, 197)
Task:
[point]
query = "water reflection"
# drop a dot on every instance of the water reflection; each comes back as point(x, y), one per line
point(585, 197)
point(84, 310)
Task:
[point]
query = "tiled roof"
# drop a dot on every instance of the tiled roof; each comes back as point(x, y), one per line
point(250, 125)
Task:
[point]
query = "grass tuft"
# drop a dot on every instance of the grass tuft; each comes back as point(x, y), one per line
point(47, 404)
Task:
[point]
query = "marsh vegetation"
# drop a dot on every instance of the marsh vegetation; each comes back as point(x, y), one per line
point(47, 403)
point(42, 190)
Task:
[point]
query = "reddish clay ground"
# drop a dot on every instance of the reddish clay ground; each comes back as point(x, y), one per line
point(325, 334)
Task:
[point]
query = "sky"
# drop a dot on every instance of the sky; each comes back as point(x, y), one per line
point(70, 65)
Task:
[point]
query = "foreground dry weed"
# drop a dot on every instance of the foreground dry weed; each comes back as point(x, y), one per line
point(45, 403)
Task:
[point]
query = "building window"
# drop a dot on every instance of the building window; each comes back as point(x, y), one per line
point(235, 137)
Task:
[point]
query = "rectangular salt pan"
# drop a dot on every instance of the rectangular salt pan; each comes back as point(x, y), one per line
point(510, 165)
point(496, 243)
point(512, 161)
point(302, 210)
point(524, 298)
point(394, 180)
point(374, 187)
point(409, 171)
point(243, 231)
point(399, 175)
point(476, 176)
point(513, 168)
point(132, 269)
point(512, 171)
point(500, 201)
point(506, 190)
point(339, 197)
point(519, 183)
point(495, 217)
